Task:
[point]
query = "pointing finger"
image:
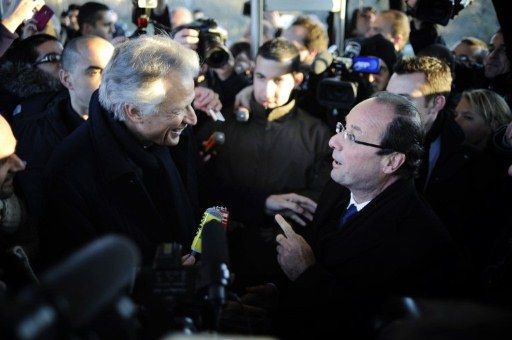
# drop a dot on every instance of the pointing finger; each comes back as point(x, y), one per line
point(287, 228)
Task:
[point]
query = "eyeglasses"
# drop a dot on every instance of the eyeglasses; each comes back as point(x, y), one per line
point(49, 58)
point(350, 137)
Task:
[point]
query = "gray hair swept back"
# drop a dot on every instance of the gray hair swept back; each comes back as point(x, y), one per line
point(134, 76)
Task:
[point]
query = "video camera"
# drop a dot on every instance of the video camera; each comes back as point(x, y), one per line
point(211, 47)
point(437, 11)
point(343, 78)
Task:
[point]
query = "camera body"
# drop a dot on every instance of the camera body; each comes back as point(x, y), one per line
point(437, 11)
point(168, 292)
point(344, 81)
point(211, 47)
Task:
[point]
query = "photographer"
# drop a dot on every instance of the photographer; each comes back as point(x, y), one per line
point(208, 40)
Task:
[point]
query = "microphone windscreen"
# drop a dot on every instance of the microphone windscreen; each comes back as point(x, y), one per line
point(215, 244)
point(91, 278)
point(321, 62)
point(219, 137)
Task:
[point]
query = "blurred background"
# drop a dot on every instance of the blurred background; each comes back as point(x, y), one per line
point(478, 20)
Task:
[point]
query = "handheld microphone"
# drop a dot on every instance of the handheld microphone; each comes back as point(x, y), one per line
point(74, 292)
point(216, 261)
point(242, 115)
point(216, 138)
point(218, 214)
point(352, 49)
point(322, 62)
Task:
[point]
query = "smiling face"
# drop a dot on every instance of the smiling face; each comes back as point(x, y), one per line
point(175, 113)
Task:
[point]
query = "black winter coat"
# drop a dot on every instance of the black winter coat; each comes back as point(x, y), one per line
point(394, 246)
point(96, 188)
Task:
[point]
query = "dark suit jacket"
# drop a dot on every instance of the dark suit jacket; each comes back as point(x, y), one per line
point(462, 190)
point(96, 188)
point(393, 246)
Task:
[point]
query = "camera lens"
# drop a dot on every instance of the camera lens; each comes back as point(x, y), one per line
point(217, 57)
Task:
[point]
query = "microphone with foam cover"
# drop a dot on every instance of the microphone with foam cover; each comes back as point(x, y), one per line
point(322, 62)
point(92, 277)
point(76, 291)
point(217, 138)
point(215, 262)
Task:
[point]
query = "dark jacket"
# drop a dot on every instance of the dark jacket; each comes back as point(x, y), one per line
point(38, 133)
point(101, 180)
point(287, 154)
point(26, 85)
point(461, 189)
point(394, 246)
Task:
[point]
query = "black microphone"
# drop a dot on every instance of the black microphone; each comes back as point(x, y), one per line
point(242, 115)
point(217, 138)
point(77, 290)
point(322, 62)
point(216, 260)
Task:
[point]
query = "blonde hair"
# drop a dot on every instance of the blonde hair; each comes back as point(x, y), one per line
point(399, 23)
point(490, 105)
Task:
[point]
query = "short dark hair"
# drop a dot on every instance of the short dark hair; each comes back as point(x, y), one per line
point(73, 7)
point(70, 54)
point(316, 36)
point(89, 13)
point(404, 134)
point(281, 50)
point(25, 50)
point(240, 47)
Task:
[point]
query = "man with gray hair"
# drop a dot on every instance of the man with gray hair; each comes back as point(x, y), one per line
point(116, 173)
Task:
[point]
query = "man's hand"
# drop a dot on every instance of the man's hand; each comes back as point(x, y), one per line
point(207, 101)
point(188, 260)
point(23, 11)
point(29, 29)
point(243, 98)
point(187, 37)
point(293, 252)
point(291, 205)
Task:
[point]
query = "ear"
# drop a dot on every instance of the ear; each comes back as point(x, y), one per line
point(392, 162)
point(64, 77)
point(438, 104)
point(298, 77)
point(86, 29)
point(132, 114)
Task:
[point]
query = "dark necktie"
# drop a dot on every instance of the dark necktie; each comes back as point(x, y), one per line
point(347, 214)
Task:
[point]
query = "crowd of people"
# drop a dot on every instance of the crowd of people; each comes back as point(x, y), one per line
point(332, 211)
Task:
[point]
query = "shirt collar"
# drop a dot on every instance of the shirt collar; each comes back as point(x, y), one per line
point(358, 206)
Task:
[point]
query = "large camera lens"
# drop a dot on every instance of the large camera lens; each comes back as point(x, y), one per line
point(216, 56)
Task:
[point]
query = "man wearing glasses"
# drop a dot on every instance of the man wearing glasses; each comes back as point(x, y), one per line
point(372, 236)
